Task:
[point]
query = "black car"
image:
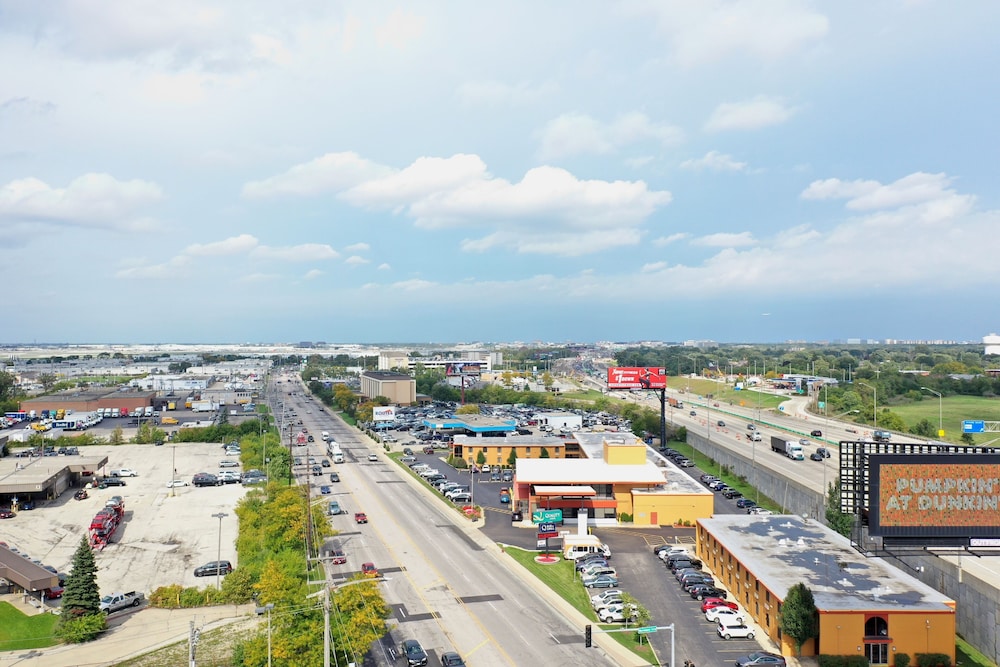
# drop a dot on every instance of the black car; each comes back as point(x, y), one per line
point(815, 456)
point(824, 452)
point(452, 659)
point(205, 479)
point(334, 477)
point(407, 451)
point(745, 503)
point(816, 433)
point(721, 423)
point(414, 653)
point(112, 481)
point(675, 565)
point(704, 591)
point(214, 568)
point(732, 493)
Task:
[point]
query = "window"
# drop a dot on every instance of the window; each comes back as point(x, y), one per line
point(527, 451)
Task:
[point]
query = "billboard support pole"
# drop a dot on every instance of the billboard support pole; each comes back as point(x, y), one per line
point(663, 417)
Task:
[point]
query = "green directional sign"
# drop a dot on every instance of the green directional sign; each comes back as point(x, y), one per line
point(647, 630)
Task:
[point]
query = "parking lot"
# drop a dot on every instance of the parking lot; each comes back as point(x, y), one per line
point(166, 532)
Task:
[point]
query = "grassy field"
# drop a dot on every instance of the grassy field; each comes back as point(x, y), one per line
point(696, 389)
point(215, 649)
point(954, 410)
point(18, 631)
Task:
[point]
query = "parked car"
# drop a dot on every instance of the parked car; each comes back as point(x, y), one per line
point(603, 599)
point(732, 493)
point(124, 472)
point(761, 659)
point(709, 603)
point(705, 591)
point(461, 497)
point(5, 513)
point(81, 494)
point(616, 613)
point(205, 479)
point(745, 503)
point(53, 593)
point(414, 653)
point(452, 659)
point(593, 559)
point(229, 463)
point(740, 631)
point(713, 614)
point(601, 581)
point(213, 568)
point(171, 484)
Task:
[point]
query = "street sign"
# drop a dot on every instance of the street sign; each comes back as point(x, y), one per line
point(547, 527)
point(647, 630)
point(973, 426)
point(548, 516)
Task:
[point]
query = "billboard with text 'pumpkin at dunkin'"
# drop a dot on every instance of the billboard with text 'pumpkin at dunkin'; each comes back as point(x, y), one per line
point(633, 377)
point(935, 496)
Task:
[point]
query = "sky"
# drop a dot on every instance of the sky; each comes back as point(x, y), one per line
point(740, 171)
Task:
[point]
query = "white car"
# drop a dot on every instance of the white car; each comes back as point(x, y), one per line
point(724, 616)
point(739, 631)
point(604, 598)
point(176, 482)
point(615, 613)
point(373, 457)
point(667, 553)
point(451, 493)
point(229, 463)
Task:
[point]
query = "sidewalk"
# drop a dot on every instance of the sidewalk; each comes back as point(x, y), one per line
point(132, 634)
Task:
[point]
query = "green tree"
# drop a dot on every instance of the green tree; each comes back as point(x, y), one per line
point(924, 428)
point(468, 409)
point(480, 458)
point(835, 519)
point(81, 600)
point(798, 618)
point(512, 459)
point(48, 381)
point(891, 421)
point(968, 439)
point(117, 436)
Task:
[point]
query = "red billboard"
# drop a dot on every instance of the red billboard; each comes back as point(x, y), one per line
point(935, 496)
point(637, 378)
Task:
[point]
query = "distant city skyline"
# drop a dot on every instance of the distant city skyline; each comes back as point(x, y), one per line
point(732, 170)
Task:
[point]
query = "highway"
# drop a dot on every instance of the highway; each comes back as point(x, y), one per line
point(446, 586)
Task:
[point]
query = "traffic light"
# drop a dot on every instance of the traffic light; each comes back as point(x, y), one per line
point(587, 636)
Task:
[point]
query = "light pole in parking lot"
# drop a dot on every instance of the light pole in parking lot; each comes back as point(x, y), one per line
point(218, 557)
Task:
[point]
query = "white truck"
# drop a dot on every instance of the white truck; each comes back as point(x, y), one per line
point(112, 603)
point(789, 448)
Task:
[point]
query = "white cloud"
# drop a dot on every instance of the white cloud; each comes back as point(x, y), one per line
point(331, 172)
point(549, 210)
point(140, 269)
point(399, 29)
point(710, 30)
point(92, 201)
point(304, 252)
point(753, 114)
point(715, 161)
point(667, 240)
point(312, 274)
point(413, 285)
point(725, 240)
point(498, 93)
point(579, 134)
point(355, 260)
point(384, 266)
point(653, 267)
point(253, 278)
point(917, 188)
point(234, 245)
point(358, 247)
point(639, 162)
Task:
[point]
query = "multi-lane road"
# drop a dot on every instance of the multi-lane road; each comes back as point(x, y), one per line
point(447, 586)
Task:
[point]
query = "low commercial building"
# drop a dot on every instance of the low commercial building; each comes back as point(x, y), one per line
point(399, 388)
point(40, 478)
point(619, 478)
point(89, 400)
point(866, 607)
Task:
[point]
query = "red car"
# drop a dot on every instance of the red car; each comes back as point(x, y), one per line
point(337, 557)
point(709, 603)
point(360, 517)
point(53, 593)
point(369, 570)
point(6, 513)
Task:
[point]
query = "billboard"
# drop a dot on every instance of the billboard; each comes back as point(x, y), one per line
point(384, 413)
point(463, 368)
point(935, 496)
point(637, 378)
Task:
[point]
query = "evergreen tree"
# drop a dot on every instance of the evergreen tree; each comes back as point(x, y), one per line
point(81, 596)
point(544, 454)
point(835, 519)
point(799, 616)
point(512, 459)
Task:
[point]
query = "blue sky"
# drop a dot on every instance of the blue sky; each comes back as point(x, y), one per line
point(760, 170)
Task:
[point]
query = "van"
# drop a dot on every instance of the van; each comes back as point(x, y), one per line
point(575, 551)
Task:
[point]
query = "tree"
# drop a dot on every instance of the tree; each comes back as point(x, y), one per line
point(924, 428)
point(798, 618)
point(968, 439)
point(81, 600)
point(544, 454)
point(468, 409)
point(512, 459)
point(480, 458)
point(835, 519)
point(117, 437)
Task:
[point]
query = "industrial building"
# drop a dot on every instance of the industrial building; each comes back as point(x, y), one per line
point(399, 388)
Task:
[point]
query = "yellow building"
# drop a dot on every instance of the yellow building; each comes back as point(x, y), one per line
point(399, 388)
point(866, 607)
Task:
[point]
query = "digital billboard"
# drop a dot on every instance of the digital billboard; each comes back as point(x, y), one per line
point(630, 377)
point(932, 496)
point(463, 368)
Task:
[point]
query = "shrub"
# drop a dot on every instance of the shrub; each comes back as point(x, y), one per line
point(933, 660)
point(625, 517)
point(901, 660)
point(82, 628)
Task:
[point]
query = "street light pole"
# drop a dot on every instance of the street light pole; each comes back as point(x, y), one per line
point(218, 557)
point(874, 402)
point(940, 411)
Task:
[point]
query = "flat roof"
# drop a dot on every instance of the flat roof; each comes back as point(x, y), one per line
point(585, 472)
point(784, 550)
point(24, 474)
point(17, 569)
point(474, 423)
point(565, 491)
point(677, 481)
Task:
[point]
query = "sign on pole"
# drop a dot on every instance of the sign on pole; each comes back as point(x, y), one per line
point(973, 426)
point(547, 516)
point(647, 630)
point(637, 378)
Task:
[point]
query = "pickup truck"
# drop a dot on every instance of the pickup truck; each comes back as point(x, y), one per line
point(112, 603)
point(124, 472)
